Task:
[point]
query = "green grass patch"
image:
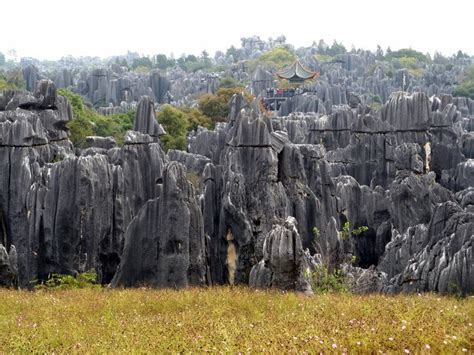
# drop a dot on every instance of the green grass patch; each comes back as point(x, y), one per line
point(230, 320)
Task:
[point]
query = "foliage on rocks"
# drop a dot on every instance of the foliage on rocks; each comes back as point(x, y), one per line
point(68, 282)
point(466, 85)
point(216, 107)
point(88, 122)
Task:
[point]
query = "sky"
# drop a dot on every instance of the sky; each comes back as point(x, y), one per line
point(50, 29)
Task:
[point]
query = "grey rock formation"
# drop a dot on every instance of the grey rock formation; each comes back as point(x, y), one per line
point(31, 76)
point(100, 142)
point(145, 118)
point(8, 266)
point(164, 243)
point(283, 265)
point(360, 147)
point(439, 259)
point(364, 281)
point(261, 80)
point(414, 197)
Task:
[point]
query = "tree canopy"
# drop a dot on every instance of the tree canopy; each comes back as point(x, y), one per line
point(277, 58)
point(466, 85)
point(12, 80)
point(216, 107)
point(88, 122)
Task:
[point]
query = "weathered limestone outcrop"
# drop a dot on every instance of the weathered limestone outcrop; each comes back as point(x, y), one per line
point(104, 86)
point(261, 80)
point(440, 258)
point(363, 281)
point(327, 165)
point(8, 267)
point(31, 76)
point(164, 244)
point(66, 213)
point(414, 197)
point(145, 119)
point(283, 265)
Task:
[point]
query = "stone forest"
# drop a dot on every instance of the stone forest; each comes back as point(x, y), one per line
point(254, 167)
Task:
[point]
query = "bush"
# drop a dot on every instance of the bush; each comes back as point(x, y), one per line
point(324, 281)
point(412, 64)
point(407, 52)
point(163, 62)
point(216, 107)
point(229, 82)
point(143, 62)
point(345, 233)
point(323, 57)
point(67, 282)
point(88, 122)
point(12, 80)
point(196, 118)
point(466, 85)
point(175, 123)
point(277, 58)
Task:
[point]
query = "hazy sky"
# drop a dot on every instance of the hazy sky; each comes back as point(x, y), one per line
point(50, 29)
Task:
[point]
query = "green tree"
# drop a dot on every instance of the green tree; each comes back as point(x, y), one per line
point(234, 52)
point(459, 55)
point(277, 58)
point(175, 123)
point(162, 61)
point(2, 59)
point(142, 62)
point(216, 106)
point(336, 48)
point(466, 85)
point(229, 82)
point(88, 122)
point(407, 52)
point(12, 80)
point(197, 118)
point(412, 64)
point(81, 126)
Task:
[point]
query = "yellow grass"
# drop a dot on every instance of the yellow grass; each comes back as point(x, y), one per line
point(231, 320)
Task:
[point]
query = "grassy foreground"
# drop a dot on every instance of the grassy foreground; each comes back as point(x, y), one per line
point(231, 320)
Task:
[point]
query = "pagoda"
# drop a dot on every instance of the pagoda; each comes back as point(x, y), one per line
point(296, 73)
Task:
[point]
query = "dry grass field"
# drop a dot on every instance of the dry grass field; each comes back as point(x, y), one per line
point(231, 320)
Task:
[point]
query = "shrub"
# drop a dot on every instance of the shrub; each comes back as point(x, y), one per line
point(345, 232)
point(323, 57)
point(276, 58)
point(316, 232)
point(67, 282)
point(324, 281)
point(88, 122)
point(216, 107)
point(12, 80)
point(412, 64)
point(175, 123)
point(143, 62)
point(196, 118)
point(407, 52)
point(466, 85)
point(229, 82)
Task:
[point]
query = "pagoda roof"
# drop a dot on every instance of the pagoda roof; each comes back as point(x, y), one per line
point(296, 72)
